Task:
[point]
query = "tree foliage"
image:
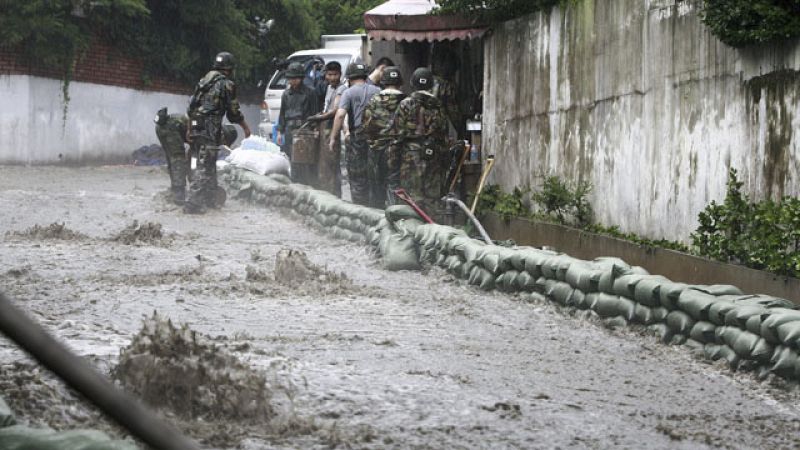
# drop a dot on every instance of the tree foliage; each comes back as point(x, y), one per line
point(177, 38)
point(342, 16)
point(742, 22)
point(492, 11)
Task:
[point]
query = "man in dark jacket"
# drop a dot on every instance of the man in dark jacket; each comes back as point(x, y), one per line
point(298, 103)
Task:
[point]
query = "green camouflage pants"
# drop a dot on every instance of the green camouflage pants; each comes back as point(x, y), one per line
point(377, 173)
point(204, 179)
point(421, 178)
point(356, 154)
point(171, 140)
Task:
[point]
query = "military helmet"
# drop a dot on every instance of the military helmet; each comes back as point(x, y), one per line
point(357, 70)
point(422, 79)
point(224, 61)
point(295, 70)
point(229, 134)
point(391, 76)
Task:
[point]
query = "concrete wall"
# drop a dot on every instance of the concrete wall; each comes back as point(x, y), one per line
point(103, 123)
point(637, 97)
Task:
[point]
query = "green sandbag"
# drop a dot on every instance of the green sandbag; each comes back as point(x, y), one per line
point(496, 259)
point(642, 314)
point(397, 212)
point(517, 259)
point(660, 313)
point(719, 309)
point(660, 330)
point(616, 265)
point(6, 415)
point(751, 346)
point(19, 437)
point(578, 299)
point(777, 317)
point(466, 269)
point(677, 339)
point(457, 244)
point(647, 289)
point(738, 315)
point(453, 263)
point(525, 281)
point(680, 322)
point(703, 332)
point(506, 281)
point(482, 278)
point(551, 266)
point(407, 227)
point(669, 293)
point(564, 264)
point(440, 258)
point(715, 352)
point(580, 276)
point(753, 323)
point(279, 178)
point(719, 289)
point(695, 303)
point(473, 250)
point(401, 254)
point(345, 222)
point(784, 360)
point(541, 285)
point(697, 348)
point(789, 333)
point(613, 305)
point(772, 302)
point(560, 292)
point(535, 259)
point(625, 285)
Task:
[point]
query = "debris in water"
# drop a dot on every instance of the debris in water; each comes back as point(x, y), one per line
point(53, 231)
point(178, 369)
point(148, 233)
point(292, 267)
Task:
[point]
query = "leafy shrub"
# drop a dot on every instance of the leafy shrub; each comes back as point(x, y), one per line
point(762, 235)
point(742, 22)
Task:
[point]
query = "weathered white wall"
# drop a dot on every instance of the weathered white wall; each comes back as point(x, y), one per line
point(637, 97)
point(103, 123)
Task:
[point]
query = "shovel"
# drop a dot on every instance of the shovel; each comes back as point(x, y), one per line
point(486, 170)
point(403, 195)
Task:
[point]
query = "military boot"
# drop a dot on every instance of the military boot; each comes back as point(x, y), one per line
point(178, 195)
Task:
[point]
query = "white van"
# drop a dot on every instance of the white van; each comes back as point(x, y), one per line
point(344, 55)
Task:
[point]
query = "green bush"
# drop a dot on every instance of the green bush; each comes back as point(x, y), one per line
point(743, 22)
point(762, 235)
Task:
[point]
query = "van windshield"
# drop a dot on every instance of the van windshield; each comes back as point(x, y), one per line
point(278, 81)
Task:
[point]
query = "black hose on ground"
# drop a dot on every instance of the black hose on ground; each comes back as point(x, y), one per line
point(81, 376)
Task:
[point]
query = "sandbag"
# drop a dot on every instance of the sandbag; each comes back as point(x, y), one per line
point(625, 285)
point(660, 330)
point(578, 299)
point(525, 281)
point(668, 294)
point(788, 333)
point(583, 276)
point(647, 290)
point(715, 352)
point(517, 259)
point(680, 322)
point(642, 314)
point(20, 437)
point(496, 259)
point(784, 360)
point(397, 212)
point(778, 316)
point(660, 313)
point(534, 260)
point(696, 303)
point(401, 254)
point(718, 289)
point(612, 305)
point(703, 332)
point(560, 292)
point(506, 281)
point(260, 162)
point(719, 309)
point(738, 315)
point(751, 346)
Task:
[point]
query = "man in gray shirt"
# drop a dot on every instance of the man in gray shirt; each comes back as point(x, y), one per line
point(352, 104)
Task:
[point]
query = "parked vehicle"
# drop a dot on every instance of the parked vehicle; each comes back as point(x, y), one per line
point(344, 49)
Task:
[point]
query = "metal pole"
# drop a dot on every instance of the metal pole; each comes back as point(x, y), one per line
point(81, 376)
point(453, 199)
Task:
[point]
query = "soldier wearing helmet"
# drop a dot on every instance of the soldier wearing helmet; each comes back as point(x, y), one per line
point(214, 98)
point(381, 131)
point(352, 105)
point(418, 161)
point(298, 103)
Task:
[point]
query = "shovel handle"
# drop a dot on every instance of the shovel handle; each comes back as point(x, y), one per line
point(484, 175)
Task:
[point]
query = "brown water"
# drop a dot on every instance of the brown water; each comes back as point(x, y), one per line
point(352, 355)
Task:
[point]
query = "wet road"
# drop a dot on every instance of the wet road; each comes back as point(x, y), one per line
point(391, 360)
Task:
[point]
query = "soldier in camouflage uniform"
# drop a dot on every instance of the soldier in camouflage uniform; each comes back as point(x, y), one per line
point(214, 97)
point(444, 88)
point(418, 162)
point(171, 132)
point(379, 126)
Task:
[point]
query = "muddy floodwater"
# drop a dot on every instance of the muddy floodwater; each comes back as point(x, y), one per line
point(352, 356)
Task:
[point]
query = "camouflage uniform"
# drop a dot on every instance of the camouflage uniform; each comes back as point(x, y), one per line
point(381, 132)
point(214, 97)
point(171, 132)
point(421, 126)
point(445, 91)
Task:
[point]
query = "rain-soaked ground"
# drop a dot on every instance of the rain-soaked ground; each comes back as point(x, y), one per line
point(359, 357)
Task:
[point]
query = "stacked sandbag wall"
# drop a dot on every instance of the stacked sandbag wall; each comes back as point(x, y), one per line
point(719, 321)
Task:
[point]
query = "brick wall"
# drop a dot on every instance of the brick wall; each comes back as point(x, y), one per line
point(100, 64)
